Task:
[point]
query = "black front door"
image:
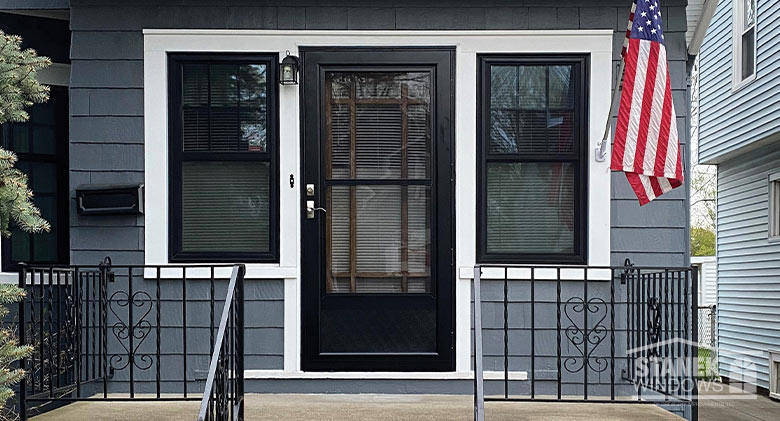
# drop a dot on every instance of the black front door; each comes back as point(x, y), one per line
point(377, 193)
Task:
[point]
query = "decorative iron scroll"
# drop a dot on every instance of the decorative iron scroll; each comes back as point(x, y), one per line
point(123, 332)
point(653, 324)
point(585, 338)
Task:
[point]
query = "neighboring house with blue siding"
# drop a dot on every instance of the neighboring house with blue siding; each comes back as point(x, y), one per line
point(421, 138)
point(740, 133)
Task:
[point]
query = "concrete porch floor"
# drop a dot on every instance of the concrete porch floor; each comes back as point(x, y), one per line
point(361, 407)
point(715, 404)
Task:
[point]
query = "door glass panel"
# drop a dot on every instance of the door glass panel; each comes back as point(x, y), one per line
point(378, 126)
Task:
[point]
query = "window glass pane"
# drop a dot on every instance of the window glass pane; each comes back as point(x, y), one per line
point(224, 130)
point(418, 132)
point(531, 124)
point(195, 84)
point(533, 131)
point(44, 177)
point(195, 127)
point(48, 207)
point(748, 8)
point(378, 141)
point(252, 81)
point(532, 85)
point(560, 131)
point(561, 88)
point(44, 139)
point(748, 55)
point(530, 208)
point(45, 246)
point(503, 131)
point(225, 206)
point(20, 245)
point(21, 137)
point(340, 133)
point(391, 249)
point(224, 85)
point(503, 87)
point(253, 131)
point(235, 119)
point(42, 113)
point(36, 142)
point(370, 86)
point(774, 208)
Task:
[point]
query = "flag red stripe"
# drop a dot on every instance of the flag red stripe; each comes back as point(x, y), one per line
point(638, 187)
point(656, 186)
point(647, 104)
point(666, 120)
point(679, 173)
point(625, 106)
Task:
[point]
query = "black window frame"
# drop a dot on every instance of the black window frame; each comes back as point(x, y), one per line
point(176, 156)
point(578, 156)
point(59, 98)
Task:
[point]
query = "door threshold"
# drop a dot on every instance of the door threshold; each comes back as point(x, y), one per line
point(379, 375)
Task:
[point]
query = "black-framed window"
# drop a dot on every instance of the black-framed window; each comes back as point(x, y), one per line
point(532, 164)
point(41, 146)
point(223, 158)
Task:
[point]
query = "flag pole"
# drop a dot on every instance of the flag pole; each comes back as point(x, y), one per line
point(601, 149)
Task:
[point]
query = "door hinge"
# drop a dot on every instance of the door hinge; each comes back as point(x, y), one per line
point(452, 256)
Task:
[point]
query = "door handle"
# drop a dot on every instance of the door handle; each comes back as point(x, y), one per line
point(310, 209)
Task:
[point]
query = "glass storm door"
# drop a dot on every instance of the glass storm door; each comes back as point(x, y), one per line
point(377, 210)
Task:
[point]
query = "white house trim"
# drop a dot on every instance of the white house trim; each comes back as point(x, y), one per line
point(159, 42)
point(708, 11)
point(379, 375)
point(737, 30)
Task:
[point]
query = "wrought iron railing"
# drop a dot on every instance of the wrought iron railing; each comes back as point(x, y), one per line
point(119, 332)
point(223, 398)
point(586, 334)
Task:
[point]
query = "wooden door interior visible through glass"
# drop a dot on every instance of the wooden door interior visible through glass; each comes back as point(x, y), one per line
point(377, 157)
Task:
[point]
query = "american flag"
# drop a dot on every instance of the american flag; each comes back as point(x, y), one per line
point(647, 147)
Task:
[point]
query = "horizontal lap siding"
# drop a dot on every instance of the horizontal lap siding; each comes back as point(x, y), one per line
point(264, 317)
point(748, 264)
point(731, 120)
point(107, 94)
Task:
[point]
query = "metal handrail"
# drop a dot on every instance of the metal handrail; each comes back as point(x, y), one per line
point(236, 278)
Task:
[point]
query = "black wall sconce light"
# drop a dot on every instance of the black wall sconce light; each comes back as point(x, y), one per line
point(288, 70)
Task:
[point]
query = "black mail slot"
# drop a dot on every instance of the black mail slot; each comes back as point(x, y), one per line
point(110, 199)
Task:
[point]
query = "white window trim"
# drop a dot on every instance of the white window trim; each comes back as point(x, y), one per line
point(738, 13)
point(773, 226)
point(158, 43)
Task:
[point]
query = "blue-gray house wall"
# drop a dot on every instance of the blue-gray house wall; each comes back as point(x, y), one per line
point(739, 132)
point(748, 265)
point(733, 120)
point(107, 124)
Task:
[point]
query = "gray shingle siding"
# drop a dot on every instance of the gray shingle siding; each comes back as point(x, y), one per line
point(107, 97)
point(748, 263)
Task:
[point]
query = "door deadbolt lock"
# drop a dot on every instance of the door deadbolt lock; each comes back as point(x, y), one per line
point(310, 190)
point(310, 209)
